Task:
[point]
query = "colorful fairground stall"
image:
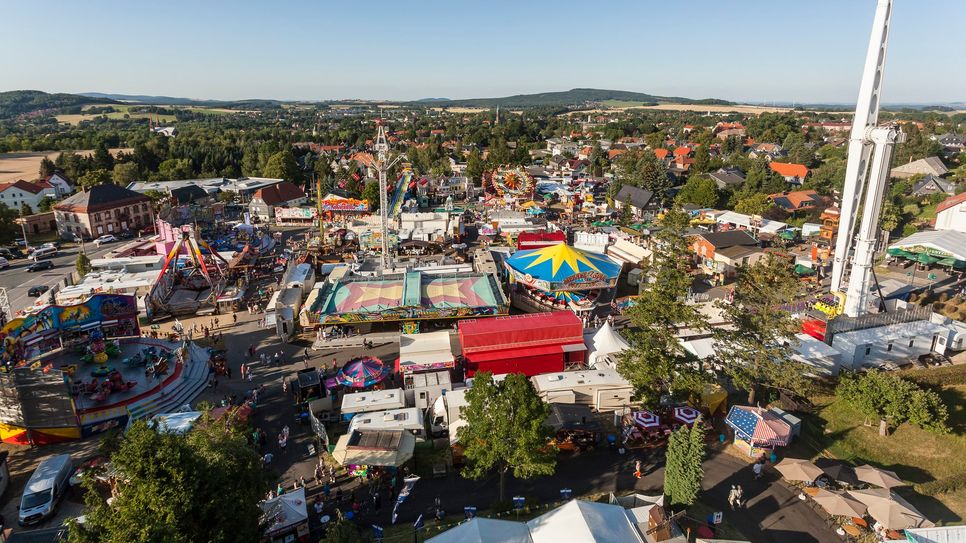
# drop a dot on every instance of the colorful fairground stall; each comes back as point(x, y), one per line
point(72, 371)
point(409, 298)
point(559, 277)
point(529, 344)
point(758, 431)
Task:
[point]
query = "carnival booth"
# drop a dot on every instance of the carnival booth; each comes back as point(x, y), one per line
point(757, 431)
point(287, 518)
point(427, 351)
point(560, 277)
point(529, 344)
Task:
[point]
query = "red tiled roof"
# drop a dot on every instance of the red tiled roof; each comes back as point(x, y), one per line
point(586, 150)
point(798, 199)
point(613, 153)
point(279, 193)
point(26, 186)
point(951, 202)
point(682, 151)
point(363, 158)
point(786, 169)
point(661, 153)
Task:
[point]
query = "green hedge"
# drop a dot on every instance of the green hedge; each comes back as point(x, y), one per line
point(942, 486)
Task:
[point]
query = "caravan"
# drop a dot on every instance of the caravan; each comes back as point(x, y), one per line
point(412, 419)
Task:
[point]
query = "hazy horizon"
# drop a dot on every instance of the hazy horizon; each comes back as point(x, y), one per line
point(755, 51)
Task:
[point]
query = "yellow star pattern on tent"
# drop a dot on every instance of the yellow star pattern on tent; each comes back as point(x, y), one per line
point(558, 255)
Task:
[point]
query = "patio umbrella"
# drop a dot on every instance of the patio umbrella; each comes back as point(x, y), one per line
point(646, 419)
point(924, 258)
point(362, 372)
point(878, 477)
point(839, 503)
point(838, 471)
point(798, 469)
point(890, 510)
point(686, 414)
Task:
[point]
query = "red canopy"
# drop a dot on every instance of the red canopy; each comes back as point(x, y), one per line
point(520, 331)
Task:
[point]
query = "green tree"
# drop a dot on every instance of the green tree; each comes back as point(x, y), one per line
point(94, 178)
point(102, 159)
point(175, 168)
point(894, 401)
point(702, 161)
point(26, 210)
point(46, 203)
point(890, 217)
point(9, 229)
point(683, 471)
point(474, 166)
point(656, 363)
point(371, 193)
point(343, 531)
point(202, 486)
point(47, 168)
point(755, 204)
point(282, 165)
point(82, 264)
point(505, 430)
point(700, 190)
point(754, 350)
point(125, 173)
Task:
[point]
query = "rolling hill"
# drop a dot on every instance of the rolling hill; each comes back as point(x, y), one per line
point(20, 102)
point(573, 97)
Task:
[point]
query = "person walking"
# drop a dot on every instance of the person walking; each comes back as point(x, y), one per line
point(739, 496)
point(241, 370)
point(227, 371)
point(637, 469)
point(758, 468)
point(733, 497)
point(234, 318)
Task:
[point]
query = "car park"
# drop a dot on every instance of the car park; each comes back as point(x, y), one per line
point(40, 265)
point(37, 290)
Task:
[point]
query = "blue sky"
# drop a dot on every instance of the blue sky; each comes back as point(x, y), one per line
point(746, 50)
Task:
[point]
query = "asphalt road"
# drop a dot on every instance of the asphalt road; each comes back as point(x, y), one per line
point(17, 280)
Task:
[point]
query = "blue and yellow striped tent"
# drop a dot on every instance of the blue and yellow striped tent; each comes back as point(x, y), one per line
point(562, 267)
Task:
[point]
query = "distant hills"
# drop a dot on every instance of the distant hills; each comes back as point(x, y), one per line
point(152, 100)
point(573, 97)
point(20, 102)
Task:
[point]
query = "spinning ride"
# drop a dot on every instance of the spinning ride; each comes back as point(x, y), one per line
point(510, 181)
point(562, 276)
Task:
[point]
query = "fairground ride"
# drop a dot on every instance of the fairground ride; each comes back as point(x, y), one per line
point(190, 280)
point(510, 181)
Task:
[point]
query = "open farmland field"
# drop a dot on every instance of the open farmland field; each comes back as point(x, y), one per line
point(25, 165)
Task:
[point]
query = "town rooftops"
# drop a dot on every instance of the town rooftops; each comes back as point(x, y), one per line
point(952, 201)
point(796, 200)
point(280, 193)
point(25, 186)
point(728, 176)
point(661, 153)
point(730, 238)
point(930, 165)
point(788, 169)
point(635, 196)
point(100, 197)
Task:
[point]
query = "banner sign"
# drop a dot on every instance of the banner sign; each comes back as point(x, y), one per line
point(344, 204)
point(295, 213)
point(408, 484)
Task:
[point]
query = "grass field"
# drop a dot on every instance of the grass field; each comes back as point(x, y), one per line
point(915, 455)
point(125, 109)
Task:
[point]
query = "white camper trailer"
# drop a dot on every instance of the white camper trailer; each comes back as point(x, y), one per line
point(373, 400)
point(422, 389)
point(411, 419)
point(446, 416)
point(600, 389)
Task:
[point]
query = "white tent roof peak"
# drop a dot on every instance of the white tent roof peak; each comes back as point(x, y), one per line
point(604, 342)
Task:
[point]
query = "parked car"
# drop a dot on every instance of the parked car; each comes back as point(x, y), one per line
point(47, 485)
point(40, 265)
point(43, 252)
point(4, 263)
point(11, 254)
point(106, 238)
point(127, 234)
point(37, 290)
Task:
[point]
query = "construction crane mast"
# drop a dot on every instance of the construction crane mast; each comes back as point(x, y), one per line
point(867, 142)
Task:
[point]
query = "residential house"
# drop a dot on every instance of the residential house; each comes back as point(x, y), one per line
point(769, 151)
point(932, 184)
point(706, 244)
point(793, 173)
point(951, 213)
point(795, 201)
point(265, 200)
point(952, 143)
point(640, 201)
point(614, 153)
point(166, 131)
point(924, 166)
point(727, 178)
point(14, 195)
point(103, 209)
point(828, 127)
point(724, 131)
point(38, 223)
point(190, 194)
point(727, 260)
point(63, 186)
point(585, 152)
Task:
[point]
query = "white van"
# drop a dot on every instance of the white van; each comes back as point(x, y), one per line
point(43, 252)
point(47, 485)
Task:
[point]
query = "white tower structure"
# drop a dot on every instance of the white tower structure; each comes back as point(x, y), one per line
point(866, 142)
point(383, 163)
